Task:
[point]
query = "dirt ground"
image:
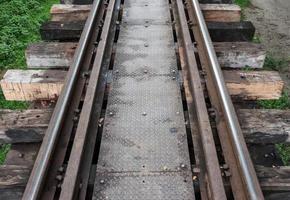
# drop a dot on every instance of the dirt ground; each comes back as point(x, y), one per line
point(272, 21)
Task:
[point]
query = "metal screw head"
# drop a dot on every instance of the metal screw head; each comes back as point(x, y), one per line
point(75, 118)
point(102, 181)
point(61, 169)
point(173, 71)
point(182, 166)
point(146, 45)
point(111, 113)
point(144, 113)
point(59, 177)
point(85, 74)
point(173, 78)
point(117, 71)
point(21, 155)
point(145, 71)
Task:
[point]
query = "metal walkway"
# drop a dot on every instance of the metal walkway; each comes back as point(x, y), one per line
point(144, 151)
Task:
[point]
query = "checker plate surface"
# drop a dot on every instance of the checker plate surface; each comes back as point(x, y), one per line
point(144, 142)
point(123, 186)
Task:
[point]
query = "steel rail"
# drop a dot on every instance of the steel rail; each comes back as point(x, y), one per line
point(231, 119)
point(81, 135)
point(214, 179)
point(39, 170)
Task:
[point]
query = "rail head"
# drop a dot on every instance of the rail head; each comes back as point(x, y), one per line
point(35, 182)
point(245, 165)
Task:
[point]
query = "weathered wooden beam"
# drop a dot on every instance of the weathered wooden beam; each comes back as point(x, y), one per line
point(271, 179)
point(253, 85)
point(77, 2)
point(50, 55)
point(29, 85)
point(211, 12)
point(63, 31)
point(274, 178)
point(23, 154)
point(69, 12)
point(13, 176)
point(221, 12)
point(219, 31)
point(14, 193)
point(23, 126)
point(47, 84)
point(231, 31)
point(216, 1)
point(265, 125)
point(240, 54)
point(259, 126)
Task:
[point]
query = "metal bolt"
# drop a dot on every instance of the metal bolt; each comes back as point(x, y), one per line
point(242, 76)
point(227, 173)
point(117, 22)
point(117, 71)
point(61, 169)
point(59, 177)
point(21, 155)
point(96, 43)
point(173, 78)
point(173, 71)
point(177, 113)
point(146, 45)
point(85, 74)
point(77, 111)
point(144, 113)
point(102, 181)
point(182, 166)
point(145, 71)
point(111, 113)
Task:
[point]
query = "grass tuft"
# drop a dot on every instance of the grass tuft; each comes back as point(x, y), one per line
point(284, 152)
point(14, 105)
point(4, 148)
point(19, 25)
point(282, 103)
point(272, 63)
point(242, 3)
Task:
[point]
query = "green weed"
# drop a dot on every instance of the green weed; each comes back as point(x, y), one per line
point(16, 105)
point(242, 3)
point(19, 25)
point(284, 152)
point(282, 103)
point(4, 148)
point(272, 63)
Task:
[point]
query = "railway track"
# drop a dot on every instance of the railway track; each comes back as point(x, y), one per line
point(145, 111)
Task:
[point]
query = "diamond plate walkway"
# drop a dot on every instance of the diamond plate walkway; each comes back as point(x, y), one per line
point(144, 151)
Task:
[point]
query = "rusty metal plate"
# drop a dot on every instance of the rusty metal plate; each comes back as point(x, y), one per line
point(133, 186)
